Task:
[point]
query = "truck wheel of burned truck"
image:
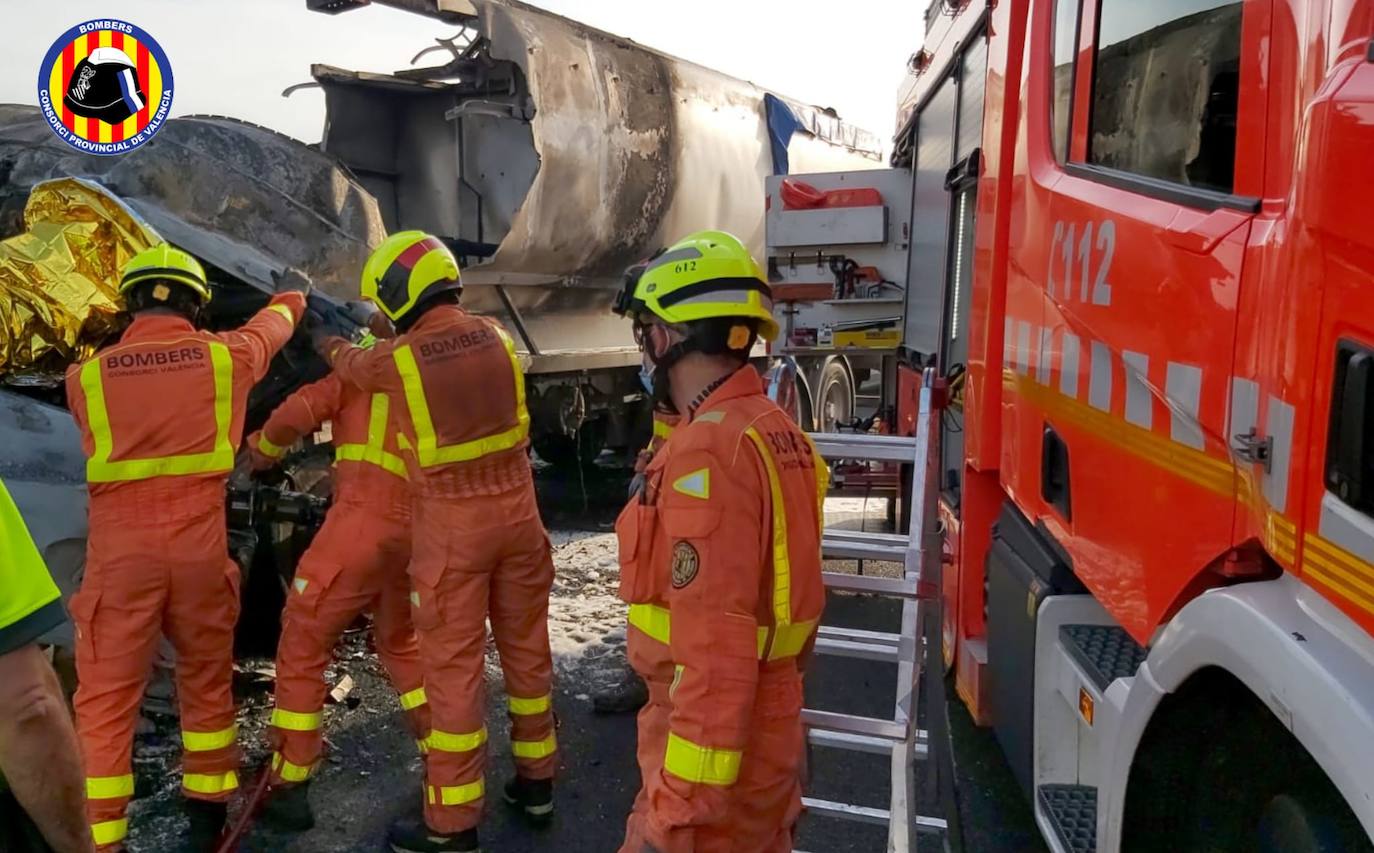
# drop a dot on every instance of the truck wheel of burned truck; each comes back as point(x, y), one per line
point(834, 404)
point(568, 452)
point(1199, 782)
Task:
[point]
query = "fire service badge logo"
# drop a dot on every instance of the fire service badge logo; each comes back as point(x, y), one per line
point(105, 87)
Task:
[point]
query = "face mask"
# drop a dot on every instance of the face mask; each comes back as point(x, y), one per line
point(646, 377)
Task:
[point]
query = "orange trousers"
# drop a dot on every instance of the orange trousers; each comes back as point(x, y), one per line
point(765, 801)
point(155, 566)
point(357, 563)
point(478, 558)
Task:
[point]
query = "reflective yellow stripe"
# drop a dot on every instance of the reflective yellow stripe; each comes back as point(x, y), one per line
point(534, 748)
point(822, 479)
point(99, 468)
point(206, 741)
point(210, 783)
point(694, 763)
point(284, 311)
point(782, 569)
point(291, 772)
point(789, 640)
point(450, 742)
point(427, 450)
point(653, 620)
point(412, 699)
point(374, 452)
point(296, 722)
point(456, 795)
point(110, 831)
point(362, 453)
point(528, 707)
point(268, 448)
point(424, 747)
point(109, 787)
point(662, 429)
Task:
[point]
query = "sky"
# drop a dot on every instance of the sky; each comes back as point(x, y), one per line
point(234, 57)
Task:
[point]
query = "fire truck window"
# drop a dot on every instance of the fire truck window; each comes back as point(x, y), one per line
point(1166, 88)
point(1065, 51)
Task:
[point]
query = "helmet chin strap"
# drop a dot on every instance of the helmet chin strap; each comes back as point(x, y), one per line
point(662, 364)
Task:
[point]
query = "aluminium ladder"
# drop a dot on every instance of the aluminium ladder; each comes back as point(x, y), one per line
point(900, 738)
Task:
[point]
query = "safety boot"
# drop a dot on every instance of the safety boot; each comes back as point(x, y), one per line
point(534, 797)
point(207, 825)
point(408, 835)
point(288, 808)
point(627, 697)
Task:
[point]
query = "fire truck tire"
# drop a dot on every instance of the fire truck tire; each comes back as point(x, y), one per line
point(834, 402)
point(1216, 771)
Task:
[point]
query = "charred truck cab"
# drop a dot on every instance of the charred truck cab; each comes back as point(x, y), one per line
point(550, 157)
point(1150, 231)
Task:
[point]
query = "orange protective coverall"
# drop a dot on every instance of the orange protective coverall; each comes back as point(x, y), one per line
point(721, 565)
point(357, 562)
point(480, 549)
point(161, 416)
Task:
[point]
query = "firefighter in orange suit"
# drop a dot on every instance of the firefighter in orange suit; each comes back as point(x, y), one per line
point(479, 546)
point(161, 415)
point(357, 562)
point(630, 693)
point(720, 564)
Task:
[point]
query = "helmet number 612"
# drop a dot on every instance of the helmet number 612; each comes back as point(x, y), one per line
point(685, 266)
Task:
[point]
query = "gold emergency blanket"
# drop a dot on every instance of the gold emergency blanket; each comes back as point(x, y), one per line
point(59, 279)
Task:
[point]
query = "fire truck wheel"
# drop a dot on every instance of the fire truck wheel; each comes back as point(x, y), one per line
point(1217, 771)
point(834, 398)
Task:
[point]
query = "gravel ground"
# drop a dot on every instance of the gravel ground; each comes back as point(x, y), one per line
point(372, 770)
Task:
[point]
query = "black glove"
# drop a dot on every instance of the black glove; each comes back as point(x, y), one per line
point(291, 279)
point(318, 327)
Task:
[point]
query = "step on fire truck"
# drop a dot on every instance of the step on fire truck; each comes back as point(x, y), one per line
point(1136, 240)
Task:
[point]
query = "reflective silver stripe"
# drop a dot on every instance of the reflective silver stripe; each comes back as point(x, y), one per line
point(1100, 377)
point(1139, 401)
point(1183, 388)
point(1347, 527)
point(733, 297)
point(1068, 365)
point(1244, 411)
point(1046, 354)
point(1023, 339)
point(684, 254)
point(1279, 427)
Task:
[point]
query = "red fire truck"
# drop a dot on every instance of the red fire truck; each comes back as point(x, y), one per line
point(1152, 224)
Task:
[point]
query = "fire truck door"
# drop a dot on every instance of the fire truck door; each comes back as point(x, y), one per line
point(1140, 285)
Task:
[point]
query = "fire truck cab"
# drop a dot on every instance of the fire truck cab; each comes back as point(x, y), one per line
point(1153, 223)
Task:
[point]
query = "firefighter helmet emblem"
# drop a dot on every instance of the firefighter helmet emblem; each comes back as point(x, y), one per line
point(686, 562)
point(105, 87)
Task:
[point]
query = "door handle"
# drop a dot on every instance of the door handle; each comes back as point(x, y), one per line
point(1253, 448)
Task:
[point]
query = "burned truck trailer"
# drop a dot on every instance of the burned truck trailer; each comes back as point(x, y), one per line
point(550, 156)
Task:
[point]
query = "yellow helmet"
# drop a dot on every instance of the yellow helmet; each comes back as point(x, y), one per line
point(165, 262)
point(408, 266)
point(706, 275)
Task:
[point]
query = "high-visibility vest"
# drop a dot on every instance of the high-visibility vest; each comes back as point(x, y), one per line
point(374, 451)
point(428, 452)
point(23, 575)
point(100, 468)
